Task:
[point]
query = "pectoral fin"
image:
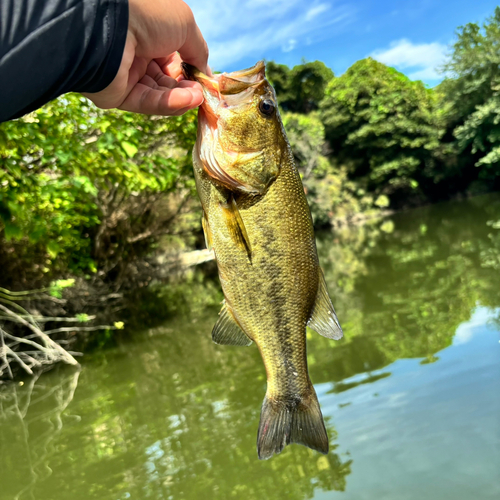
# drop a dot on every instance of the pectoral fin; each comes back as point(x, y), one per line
point(227, 332)
point(206, 231)
point(235, 225)
point(323, 319)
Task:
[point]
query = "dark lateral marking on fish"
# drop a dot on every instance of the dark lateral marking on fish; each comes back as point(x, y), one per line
point(283, 327)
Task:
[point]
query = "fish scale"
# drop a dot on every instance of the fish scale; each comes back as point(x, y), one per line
point(257, 221)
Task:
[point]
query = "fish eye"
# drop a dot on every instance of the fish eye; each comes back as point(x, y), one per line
point(267, 107)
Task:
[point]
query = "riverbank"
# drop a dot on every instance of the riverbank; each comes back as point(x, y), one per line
point(82, 315)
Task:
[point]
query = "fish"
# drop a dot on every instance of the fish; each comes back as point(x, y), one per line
point(257, 222)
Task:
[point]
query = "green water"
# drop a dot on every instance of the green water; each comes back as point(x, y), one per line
point(411, 395)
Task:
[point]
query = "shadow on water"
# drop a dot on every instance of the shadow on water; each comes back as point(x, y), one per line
point(168, 414)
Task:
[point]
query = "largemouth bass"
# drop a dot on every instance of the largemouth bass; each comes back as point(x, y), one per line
point(256, 219)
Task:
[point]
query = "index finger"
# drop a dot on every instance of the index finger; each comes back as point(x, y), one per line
point(195, 48)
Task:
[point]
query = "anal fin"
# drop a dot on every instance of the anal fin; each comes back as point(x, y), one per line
point(324, 319)
point(227, 332)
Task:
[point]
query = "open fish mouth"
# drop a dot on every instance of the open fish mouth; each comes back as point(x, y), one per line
point(223, 92)
point(227, 83)
point(225, 89)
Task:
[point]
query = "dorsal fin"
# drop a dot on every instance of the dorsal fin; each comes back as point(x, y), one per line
point(323, 319)
point(236, 226)
point(227, 332)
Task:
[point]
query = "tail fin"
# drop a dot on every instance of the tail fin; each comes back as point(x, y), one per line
point(291, 421)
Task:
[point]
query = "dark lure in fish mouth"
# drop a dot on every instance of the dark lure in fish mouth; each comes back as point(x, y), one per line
point(227, 83)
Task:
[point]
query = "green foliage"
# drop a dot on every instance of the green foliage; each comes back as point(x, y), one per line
point(331, 195)
point(56, 290)
point(383, 126)
point(306, 135)
point(472, 95)
point(301, 88)
point(68, 167)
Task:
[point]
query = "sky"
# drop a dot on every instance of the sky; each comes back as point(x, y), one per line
point(413, 36)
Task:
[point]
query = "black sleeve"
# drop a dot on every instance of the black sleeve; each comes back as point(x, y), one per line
point(49, 47)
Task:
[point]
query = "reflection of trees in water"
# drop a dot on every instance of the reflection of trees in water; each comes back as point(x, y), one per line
point(154, 427)
point(30, 422)
point(203, 442)
point(401, 289)
point(175, 416)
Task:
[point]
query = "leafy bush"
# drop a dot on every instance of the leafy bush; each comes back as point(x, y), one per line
point(331, 195)
point(301, 88)
point(71, 174)
point(383, 126)
point(471, 96)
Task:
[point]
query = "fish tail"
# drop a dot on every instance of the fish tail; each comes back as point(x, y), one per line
point(295, 420)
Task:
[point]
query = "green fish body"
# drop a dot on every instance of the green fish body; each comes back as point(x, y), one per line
point(258, 223)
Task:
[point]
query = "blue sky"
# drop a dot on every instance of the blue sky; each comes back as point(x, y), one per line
point(413, 36)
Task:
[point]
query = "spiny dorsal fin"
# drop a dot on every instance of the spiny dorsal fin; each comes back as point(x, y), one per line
point(323, 319)
point(227, 332)
point(206, 231)
point(236, 226)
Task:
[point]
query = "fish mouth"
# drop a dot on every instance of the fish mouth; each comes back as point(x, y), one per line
point(227, 83)
point(225, 90)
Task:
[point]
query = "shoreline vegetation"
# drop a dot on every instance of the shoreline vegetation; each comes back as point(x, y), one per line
point(95, 206)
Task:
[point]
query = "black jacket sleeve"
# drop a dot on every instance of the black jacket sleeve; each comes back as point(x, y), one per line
point(49, 47)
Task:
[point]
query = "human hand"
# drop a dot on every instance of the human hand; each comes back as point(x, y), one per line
point(161, 34)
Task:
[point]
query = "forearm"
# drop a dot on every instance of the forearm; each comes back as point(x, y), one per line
point(51, 47)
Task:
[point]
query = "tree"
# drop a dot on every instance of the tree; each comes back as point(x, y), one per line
point(87, 188)
point(384, 127)
point(472, 97)
point(301, 88)
point(330, 194)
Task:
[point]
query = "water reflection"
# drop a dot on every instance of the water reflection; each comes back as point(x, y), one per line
point(30, 424)
point(403, 293)
point(171, 415)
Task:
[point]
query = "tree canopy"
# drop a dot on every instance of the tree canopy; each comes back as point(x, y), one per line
point(382, 125)
point(471, 95)
point(301, 88)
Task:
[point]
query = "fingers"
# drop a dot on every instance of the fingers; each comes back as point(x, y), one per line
point(150, 99)
point(171, 65)
point(161, 77)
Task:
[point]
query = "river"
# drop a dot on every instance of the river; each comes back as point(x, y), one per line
point(411, 395)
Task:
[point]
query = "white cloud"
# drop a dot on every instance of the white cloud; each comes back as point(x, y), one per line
point(481, 316)
point(236, 29)
point(289, 46)
point(316, 11)
point(419, 61)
